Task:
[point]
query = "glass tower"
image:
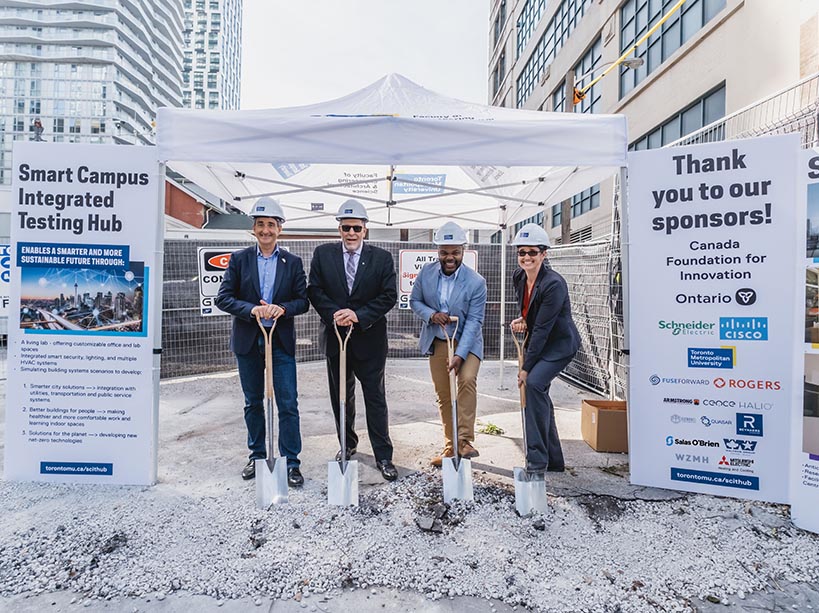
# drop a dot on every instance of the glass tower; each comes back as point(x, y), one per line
point(88, 72)
point(213, 58)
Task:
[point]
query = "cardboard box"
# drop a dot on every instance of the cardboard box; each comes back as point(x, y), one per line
point(604, 425)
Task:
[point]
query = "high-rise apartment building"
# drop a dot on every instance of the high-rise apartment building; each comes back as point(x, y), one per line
point(710, 59)
point(88, 72)
point(213, 54)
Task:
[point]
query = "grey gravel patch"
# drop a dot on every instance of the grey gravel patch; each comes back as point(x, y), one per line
point(591, 553)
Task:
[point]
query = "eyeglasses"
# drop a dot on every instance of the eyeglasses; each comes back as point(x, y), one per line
point(530, 252)
point(346, 228)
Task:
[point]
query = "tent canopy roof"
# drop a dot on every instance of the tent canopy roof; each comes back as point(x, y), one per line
point(413, 157)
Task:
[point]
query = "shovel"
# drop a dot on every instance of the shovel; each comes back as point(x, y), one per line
point(530, 488)
point(271, 472)
point(457, 470)
point(342, 476)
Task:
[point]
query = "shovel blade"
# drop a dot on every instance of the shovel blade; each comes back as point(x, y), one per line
point(457, 481)
point(342, 487)
point(271, 482)
point(530, 492)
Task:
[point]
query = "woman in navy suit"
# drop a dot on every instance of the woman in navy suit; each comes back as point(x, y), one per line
point(552, 341)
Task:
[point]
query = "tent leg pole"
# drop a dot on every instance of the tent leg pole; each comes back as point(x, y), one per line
point(501, 386)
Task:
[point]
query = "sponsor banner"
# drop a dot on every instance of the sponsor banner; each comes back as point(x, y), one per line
point(410, 263)
point(81, 325)
point(805, 441)
point(712, 242)
point(213, 262)
point(5, 274)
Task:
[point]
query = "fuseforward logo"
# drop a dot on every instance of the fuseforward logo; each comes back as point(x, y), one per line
point(743, 328)
point(687, 328)
point(751, 384)
point(656, 380)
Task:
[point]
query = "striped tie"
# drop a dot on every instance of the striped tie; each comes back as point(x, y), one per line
point(350, 270)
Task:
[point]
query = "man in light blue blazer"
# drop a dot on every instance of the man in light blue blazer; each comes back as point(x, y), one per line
point(445, 289)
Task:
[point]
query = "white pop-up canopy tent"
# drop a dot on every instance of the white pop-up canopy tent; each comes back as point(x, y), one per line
point(413, 157)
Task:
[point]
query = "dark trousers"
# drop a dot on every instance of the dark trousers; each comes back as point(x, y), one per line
point(251, 375)
point(370, 373)
point(542, 441)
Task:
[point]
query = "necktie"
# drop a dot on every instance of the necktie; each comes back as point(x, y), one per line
point(350, 270)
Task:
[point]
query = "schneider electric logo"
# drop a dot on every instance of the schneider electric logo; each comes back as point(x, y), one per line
point(687, 328)
point(743, 328)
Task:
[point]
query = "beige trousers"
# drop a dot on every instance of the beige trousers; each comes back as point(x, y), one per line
point(467, 392)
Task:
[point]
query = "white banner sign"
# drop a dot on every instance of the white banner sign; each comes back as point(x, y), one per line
point(411, 261)
point(711, 278)
point(213, 262)
point(80, 404)
point(805, 442)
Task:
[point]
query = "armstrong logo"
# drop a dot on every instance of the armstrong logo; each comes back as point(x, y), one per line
point(679, 419)
point(738, 445)
point(656, 380)
point(743, 328)
point(217, 260)
point(696, 442)
point(712, 421)
point(751, 384)
point(694, 401)
point(687, 328)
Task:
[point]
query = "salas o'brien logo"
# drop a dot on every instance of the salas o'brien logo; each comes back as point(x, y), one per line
point(751, 384)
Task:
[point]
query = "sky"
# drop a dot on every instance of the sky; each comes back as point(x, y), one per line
point(297, 52)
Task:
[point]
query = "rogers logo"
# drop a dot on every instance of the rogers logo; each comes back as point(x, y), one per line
point(220, 261)
point(751, 384)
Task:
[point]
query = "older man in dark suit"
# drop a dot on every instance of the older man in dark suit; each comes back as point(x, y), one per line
point(353, 284)
point(266, 281)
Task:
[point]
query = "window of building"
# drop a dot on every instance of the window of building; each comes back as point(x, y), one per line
point(585, 201)
point(559, 98)
point(558, 30)
point(639, 16)
point(59, 124)
point(590, 60)
point(499, 74)
point(500, 21)
point(556, 214)
point(74, 127)
point(696, 115)
point(529, 18)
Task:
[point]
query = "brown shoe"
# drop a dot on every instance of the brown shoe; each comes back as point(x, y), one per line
point(468, 451)
point(438, 460)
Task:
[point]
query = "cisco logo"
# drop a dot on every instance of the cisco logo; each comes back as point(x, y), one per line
point(743, 328)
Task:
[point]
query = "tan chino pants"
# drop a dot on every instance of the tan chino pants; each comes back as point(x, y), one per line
point(467, 392)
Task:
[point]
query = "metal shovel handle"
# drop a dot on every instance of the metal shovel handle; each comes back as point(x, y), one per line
point(342, 392)
point(267, 334)
point(453, 385)
point(519, 346)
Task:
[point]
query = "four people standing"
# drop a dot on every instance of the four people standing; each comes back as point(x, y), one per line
point(442, 290)
point(353, 284)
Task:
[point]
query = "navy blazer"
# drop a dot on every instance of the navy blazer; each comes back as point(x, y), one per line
point(240, 292)
point(374, 295)
point(552, 333)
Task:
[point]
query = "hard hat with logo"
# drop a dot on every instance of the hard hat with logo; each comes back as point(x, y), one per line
point(267, 207)
point(352, 209)
point(531, 235)
point(450, 234)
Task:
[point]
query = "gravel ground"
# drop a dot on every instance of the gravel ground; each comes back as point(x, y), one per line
point(197, 537)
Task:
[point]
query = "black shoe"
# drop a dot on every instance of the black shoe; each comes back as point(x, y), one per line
point(294, 477)
point(249, 471)
point(387, 469)
point(556, 469)
point(350, 452)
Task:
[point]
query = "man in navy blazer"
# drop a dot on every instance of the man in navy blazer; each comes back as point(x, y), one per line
point(267, 281)
point(353, 284)
point(445, 289)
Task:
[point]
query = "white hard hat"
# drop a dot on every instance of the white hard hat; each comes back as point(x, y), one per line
point(531, 235)
point(352, 209)
point(267, 207)
point(450, 234)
